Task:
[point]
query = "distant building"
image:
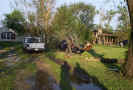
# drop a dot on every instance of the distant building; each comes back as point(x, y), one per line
point(9, 35)
point(105, 38)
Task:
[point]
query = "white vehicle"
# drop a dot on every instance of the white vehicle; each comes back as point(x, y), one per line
point(33, 44)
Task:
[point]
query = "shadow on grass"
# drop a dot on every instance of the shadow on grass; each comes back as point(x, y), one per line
point(65, 82)
point(65, 77)
point(51, 55)
point(82, 76)
point(110, 63)
point(93, 53)
point(43, 81)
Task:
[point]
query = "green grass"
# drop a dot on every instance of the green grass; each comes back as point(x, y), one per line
point(111, 52)
point(109, 79)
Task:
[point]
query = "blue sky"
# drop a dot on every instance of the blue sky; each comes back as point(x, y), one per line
point(5, 6)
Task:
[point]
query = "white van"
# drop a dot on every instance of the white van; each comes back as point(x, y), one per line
point(33, 44)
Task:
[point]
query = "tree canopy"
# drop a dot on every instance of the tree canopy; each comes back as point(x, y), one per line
point(15, 20)
point(74, 21)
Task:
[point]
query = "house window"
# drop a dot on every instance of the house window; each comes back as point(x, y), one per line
point(3, 36)
point(12, 36)
point(8, 35)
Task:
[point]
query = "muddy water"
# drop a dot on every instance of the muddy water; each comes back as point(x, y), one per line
point(79, 80)
point(43, 80)
point(46, 82)
point(86, 86)
point(52, 85)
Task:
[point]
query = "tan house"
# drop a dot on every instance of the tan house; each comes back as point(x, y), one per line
point(104, 38)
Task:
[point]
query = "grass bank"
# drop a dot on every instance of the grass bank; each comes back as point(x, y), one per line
point(106, 77)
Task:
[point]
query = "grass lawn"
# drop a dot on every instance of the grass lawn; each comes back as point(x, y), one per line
point(111, 52)
point(89, 62)
point(107, 78)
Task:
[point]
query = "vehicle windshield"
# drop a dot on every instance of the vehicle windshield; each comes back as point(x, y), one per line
point(32, 40)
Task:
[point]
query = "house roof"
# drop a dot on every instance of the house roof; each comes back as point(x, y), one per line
point(5, 29)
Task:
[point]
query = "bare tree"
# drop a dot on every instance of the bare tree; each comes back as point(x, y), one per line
point(44, 13)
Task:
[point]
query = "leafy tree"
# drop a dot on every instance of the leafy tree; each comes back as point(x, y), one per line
point(110, 14)
point(71, 25)
point(124, 16)
point(124, 23)
point(85, 15)
point(63, 24)
point(15, 20)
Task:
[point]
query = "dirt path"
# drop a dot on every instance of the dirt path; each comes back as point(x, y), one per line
point(25, 79)
point(41, 80)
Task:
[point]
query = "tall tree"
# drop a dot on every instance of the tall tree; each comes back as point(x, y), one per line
point(83, 12)
point(44, 9)
point(129, 64)
point(32, 27)
point(110, 14)
point(123, 28)
point(124, 16)
point(85, 15)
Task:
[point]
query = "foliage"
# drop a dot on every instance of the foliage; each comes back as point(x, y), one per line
point(124, 23)
point(106, 18)
point(110, 14)
point(44, 10)
point(74, 21)
point(124, 15)
point(84, 13)
point(32, 26)
point(15, 20)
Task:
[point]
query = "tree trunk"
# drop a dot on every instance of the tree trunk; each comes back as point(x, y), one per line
point(129, 63)
point(69, 50)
